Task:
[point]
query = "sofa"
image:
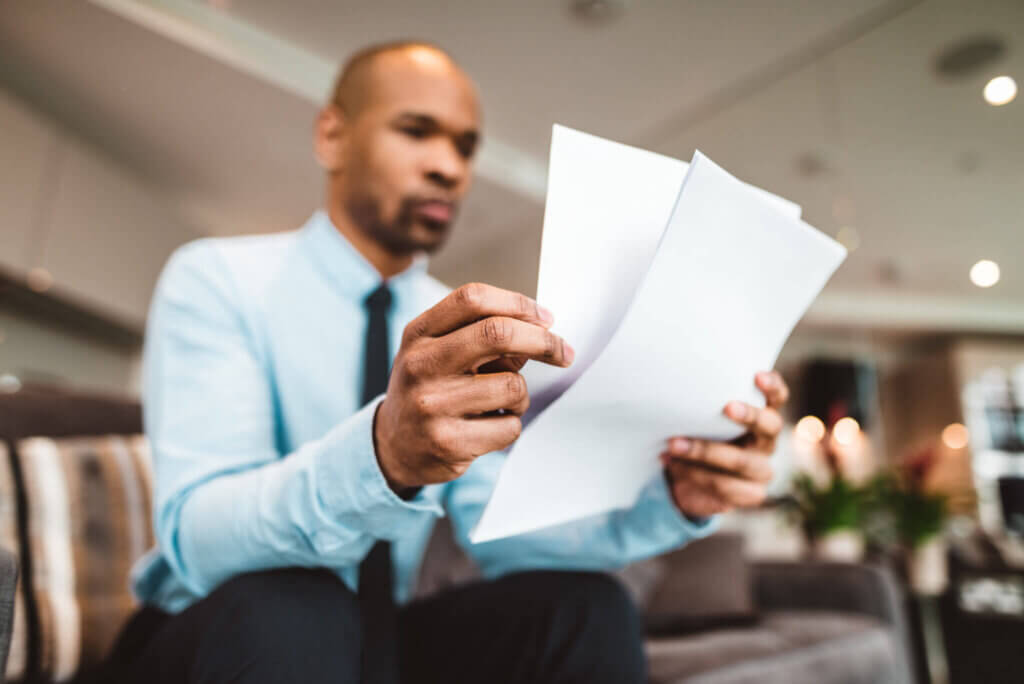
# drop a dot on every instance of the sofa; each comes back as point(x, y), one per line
point(75, 487)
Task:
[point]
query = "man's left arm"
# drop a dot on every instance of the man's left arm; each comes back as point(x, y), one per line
point(700, 479)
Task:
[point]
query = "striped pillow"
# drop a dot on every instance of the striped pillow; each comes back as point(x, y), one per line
point(88, 505)
point(9, 541)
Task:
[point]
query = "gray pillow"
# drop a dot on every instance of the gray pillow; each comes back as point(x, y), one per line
point(704, 585)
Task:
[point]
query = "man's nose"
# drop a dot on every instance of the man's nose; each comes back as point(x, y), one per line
point(446, 168)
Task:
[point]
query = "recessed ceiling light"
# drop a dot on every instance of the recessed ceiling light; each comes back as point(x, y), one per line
point(1000, 90)
point(39, 279)
point(985, 273)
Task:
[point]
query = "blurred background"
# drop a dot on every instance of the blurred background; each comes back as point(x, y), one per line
point(128, 127)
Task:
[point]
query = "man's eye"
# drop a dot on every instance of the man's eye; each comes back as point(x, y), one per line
point(466, 148)
point(415, 132)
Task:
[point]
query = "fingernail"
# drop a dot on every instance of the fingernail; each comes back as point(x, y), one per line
point(765, 378)
point(736, 410)
point(545, 314)
point(570, 353)
point(680, 445)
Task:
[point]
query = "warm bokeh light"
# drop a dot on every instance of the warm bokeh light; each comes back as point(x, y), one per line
point(9, 384)
point(810, 428)
point(39, 279)
point(848, 237)
point(955, 436)
point(1000, 90)
point(846, 430)
point(985, 273)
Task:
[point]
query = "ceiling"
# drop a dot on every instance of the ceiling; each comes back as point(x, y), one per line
point(835, 105)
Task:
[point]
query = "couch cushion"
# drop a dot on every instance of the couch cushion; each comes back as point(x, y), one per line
point(793, 647)
point(704, 584)
point(88, 503)
point(8, 590)
point(9, 540)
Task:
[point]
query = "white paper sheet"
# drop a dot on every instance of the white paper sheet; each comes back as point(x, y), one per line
point(732, 274)
point(607, 208)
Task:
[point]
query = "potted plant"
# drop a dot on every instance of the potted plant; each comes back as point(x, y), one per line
point(831, 516)
point(908, 516)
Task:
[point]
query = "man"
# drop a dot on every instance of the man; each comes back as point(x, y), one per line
point(294, 476)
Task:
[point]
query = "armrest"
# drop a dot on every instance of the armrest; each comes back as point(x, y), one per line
point(8, 585)
point(844, 587)
point(818, 585)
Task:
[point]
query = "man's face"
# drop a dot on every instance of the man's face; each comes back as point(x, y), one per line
point(408, 155)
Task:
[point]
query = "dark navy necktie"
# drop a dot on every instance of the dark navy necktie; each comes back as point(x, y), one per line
point(376, 599)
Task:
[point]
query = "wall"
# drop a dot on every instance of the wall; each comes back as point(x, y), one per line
point(99, 232)
point(34, 351)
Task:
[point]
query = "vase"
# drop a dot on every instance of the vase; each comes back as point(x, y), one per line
point(926, 567)
point(843, 546)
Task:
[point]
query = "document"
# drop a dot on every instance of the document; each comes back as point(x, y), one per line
point(675, 284)
point(607, 208)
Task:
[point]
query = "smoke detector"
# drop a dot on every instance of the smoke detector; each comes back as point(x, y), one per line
point(968, 57)
point(597, 11)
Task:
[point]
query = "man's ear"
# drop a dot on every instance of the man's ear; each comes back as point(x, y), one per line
point(330, 136)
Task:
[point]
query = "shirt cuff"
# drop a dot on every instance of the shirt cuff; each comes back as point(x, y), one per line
point(352, 488)
point(657, 502)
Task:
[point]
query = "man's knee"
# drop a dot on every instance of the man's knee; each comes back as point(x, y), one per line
point(594, 619)
point(602, 595)
point(291, 625)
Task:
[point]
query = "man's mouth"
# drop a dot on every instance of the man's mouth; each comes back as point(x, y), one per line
point(434, 211)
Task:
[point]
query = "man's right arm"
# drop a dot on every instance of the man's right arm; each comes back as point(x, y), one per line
point(226, 501)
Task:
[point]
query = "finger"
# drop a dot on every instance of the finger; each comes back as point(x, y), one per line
point(475, 395)
point(479, 436)
point(730, 490)
point(775, 389)
point(748, 464)
point(472, 346)
point(505, 363)
point(472, 302)
point(693, 500)
point(765, 423)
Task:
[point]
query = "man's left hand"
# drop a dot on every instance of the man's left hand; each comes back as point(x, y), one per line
point(708, 477)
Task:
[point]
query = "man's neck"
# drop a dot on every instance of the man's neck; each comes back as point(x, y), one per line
point(387, 263)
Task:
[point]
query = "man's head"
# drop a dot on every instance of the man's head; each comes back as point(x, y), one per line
point(397, 140)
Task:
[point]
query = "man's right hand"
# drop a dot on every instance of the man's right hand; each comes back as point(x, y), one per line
point(440, 413)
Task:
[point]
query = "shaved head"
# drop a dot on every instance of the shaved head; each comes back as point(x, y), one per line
point(397, 140)
point(354, 87)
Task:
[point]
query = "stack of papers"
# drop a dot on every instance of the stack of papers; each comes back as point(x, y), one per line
point(675, 283)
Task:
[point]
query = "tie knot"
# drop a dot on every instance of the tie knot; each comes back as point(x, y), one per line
point(379, 301)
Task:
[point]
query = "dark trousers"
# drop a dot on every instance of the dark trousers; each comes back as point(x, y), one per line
point(300, 625)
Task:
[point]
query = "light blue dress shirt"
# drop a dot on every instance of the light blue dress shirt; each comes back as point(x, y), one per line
point(262, 455)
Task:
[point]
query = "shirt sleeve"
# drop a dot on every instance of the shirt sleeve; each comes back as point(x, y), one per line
point(227, 501)
point(650, 527)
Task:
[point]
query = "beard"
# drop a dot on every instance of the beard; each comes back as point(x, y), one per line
point(405, 233)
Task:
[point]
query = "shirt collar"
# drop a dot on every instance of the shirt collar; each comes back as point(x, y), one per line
point(347, 269)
